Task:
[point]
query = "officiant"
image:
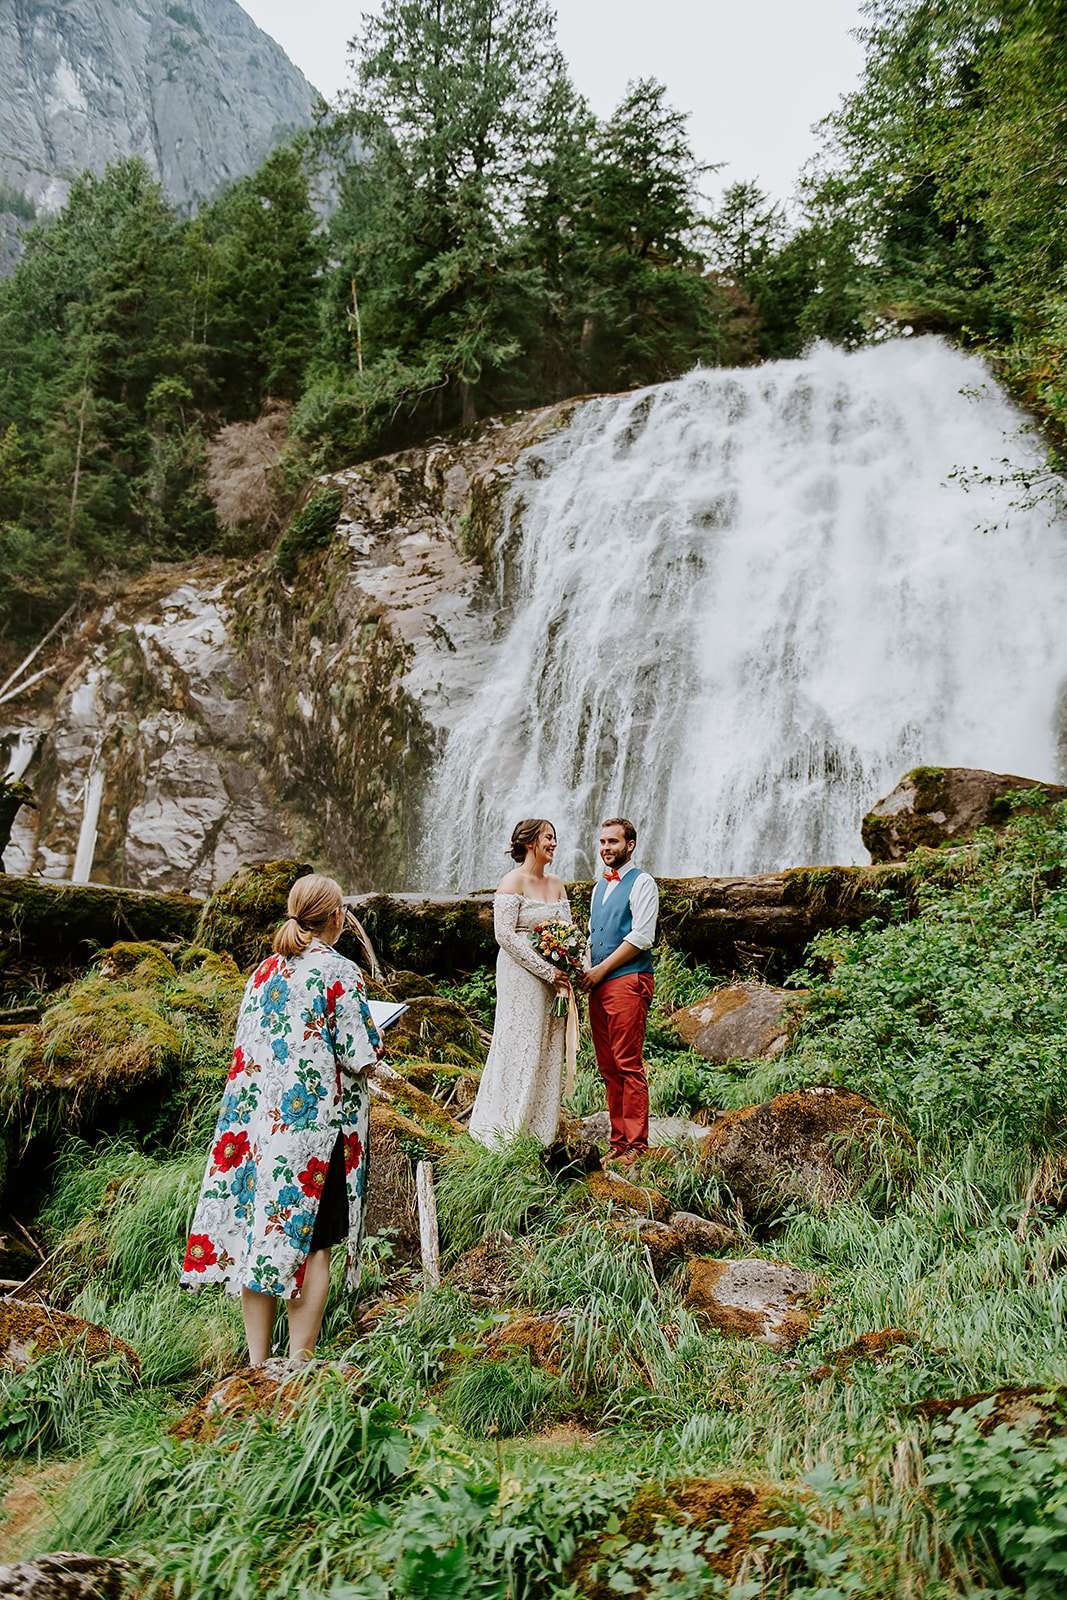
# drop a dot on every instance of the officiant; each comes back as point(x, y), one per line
point(287, 1173)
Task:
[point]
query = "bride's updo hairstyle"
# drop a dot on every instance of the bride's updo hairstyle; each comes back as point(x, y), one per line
point(312, 902)
point(525, 835)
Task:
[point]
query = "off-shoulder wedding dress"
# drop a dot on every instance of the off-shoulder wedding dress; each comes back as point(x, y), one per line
point(523, 1074)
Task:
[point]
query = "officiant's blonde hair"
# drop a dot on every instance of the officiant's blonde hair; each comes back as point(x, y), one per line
point(312, 902)
point(525, 834)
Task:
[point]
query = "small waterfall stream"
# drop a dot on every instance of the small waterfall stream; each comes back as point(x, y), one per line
point(738, 607)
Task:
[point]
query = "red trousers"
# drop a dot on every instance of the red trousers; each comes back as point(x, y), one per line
point(618, 1008)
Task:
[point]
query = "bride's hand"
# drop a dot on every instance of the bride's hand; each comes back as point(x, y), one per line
point(560, 983)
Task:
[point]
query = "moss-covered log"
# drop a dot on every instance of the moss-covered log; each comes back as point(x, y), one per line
point(56, 925)
point(731, 924)
point(429, 933)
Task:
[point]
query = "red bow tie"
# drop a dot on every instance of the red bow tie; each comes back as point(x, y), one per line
point(611, 877)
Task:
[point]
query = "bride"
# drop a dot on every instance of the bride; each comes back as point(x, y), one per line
point(521, 1082)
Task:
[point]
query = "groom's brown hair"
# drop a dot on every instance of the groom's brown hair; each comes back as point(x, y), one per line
point(629, 832)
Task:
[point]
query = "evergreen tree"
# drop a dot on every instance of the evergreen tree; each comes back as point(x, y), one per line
point(655, 313)
point(257, 286)
point(90, 326)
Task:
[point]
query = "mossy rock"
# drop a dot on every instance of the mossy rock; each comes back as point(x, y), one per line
point(436, 1029)
point(134, 1024)
point(442, 1079)
point(241, 918)
point(142, 963)
point(410, 985)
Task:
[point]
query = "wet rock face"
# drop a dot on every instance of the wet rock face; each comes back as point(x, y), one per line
point(739, 1023)
point(363, 662)
point(936, 806)
point(239, 717)
point(161, 705)
point(812, 1146)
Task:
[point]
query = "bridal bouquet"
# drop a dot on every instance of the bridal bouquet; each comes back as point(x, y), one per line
point(560, 944)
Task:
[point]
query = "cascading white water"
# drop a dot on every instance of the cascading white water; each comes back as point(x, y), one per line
point(739, 606)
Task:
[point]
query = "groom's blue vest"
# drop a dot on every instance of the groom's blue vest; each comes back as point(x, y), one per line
point(611, 921)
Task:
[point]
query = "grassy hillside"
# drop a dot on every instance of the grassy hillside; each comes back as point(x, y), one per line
point(616, 1444)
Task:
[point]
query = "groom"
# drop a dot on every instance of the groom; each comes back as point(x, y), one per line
point(618, 979)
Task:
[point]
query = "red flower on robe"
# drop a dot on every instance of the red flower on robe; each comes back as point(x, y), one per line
point(200, 1255)
point(313, 1177)
point(230, 1151)
point(332, 992)
point(239, 1064)
point(353, 1151)
point(267, 970)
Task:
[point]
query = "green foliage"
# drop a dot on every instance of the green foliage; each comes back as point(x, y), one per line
point(491, 1189)
point(1004, 1493)
point(59, 1401)
point(16, 203)
point(311, 529)
point(497, 1399)
point(954, 1021)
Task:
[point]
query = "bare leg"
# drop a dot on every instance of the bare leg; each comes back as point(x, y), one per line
point(306, 1309)
point(258, 1312)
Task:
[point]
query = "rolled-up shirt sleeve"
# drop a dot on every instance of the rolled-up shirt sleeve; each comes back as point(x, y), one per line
point(644, 909)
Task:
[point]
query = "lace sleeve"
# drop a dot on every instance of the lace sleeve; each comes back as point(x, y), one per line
point(518, 947)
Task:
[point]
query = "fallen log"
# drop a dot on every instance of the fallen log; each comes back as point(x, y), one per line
point(738, 923)
point(52, 925)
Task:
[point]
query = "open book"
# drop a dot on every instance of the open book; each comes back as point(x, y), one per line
point(384, 1012)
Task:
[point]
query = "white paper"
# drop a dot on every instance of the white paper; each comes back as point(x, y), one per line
point(384, 1012)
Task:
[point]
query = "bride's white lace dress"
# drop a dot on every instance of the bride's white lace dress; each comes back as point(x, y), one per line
point(523, 1075)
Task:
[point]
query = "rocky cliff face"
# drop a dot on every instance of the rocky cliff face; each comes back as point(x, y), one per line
point(195, 88)
point(235, 716)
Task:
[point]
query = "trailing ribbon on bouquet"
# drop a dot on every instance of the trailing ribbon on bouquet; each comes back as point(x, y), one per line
point(572, 1043)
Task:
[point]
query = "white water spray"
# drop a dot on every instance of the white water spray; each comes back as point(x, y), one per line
point(742, 605)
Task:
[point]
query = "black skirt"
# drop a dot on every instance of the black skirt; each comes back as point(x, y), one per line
point(331, 1223)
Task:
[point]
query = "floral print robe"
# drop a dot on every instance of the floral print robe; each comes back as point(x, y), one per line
point(304, 1040)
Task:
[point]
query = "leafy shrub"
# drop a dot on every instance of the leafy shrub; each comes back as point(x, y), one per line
point(1008, 1496)
point(311, 529)
point(956, 1020)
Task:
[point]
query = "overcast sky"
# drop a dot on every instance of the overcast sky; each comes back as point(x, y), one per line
point(755, 75)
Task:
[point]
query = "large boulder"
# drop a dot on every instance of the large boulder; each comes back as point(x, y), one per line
point(435, 1029)
point(935, 806)
point(751, 1299)
point(67, 1575)
point(812, 1146)
point(29, 1329)
point(739, 1023)
point(242, 917)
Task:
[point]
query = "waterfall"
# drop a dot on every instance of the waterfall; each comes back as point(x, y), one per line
point(738, 607)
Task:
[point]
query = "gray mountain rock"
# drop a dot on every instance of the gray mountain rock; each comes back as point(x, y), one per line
point(195, 88)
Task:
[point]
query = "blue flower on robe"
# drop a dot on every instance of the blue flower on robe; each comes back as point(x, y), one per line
point(299, 1106)
point(280, 1048)
point(243, 1188)
point(361, 1180)
point(232, 1112)
point(290, 1195)
point(275, 997)
point(299, 1228)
